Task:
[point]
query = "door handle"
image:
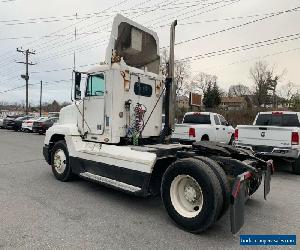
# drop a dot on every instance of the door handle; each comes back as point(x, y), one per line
point(223, 128)
point(217, 128)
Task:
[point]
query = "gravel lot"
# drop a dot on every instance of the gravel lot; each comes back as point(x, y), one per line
point(39, 212)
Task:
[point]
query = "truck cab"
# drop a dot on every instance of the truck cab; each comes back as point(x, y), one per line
point(112, 134)
point(130, 75)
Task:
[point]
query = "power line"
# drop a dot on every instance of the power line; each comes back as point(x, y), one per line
point(31, 37)
point(227, 3)
point(238, 26)
point(60, 44)
point(50, 19)
point(74, 24)
point(103, 29)
point(58, 55)
point(35, 84)
point(235, 49)
point(13, 89)
point(221, 19)
point(6, 1)
point(71, 34)
point(88, 48)
point(63, 69)
point(169, 18)
point(253, 58)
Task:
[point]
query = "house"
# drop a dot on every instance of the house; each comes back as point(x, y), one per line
point(183, 102)
point(234, 103)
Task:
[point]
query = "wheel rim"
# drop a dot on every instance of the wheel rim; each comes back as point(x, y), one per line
point(186, 196)
point(60, 161)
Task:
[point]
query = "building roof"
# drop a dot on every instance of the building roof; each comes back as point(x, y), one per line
point(182, 98)
point(233, 99)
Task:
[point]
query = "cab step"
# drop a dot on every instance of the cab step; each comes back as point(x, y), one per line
point(110, 182)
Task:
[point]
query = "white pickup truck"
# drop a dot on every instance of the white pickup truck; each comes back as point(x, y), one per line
point(204, 126)
point(273, 135)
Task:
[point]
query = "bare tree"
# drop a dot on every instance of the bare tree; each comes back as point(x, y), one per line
point(182, 70)
point(199, 83)
point(288, 92)
point(238, 90)
point(265, 80)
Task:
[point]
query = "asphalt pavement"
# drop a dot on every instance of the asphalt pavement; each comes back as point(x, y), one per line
point(39, 212)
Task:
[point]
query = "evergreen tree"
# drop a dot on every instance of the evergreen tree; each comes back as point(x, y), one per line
point(212, 96)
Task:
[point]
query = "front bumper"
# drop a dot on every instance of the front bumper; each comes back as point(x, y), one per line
point(26, 127)
point(38, 129)
point(46, 154)
point(9, 125)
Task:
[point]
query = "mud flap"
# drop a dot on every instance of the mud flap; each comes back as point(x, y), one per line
point(237, 208)
point(267, 178)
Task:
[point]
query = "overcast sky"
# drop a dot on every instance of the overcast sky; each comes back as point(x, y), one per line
point(47, 27)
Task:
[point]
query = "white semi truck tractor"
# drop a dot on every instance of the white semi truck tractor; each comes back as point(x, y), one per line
point(112, 134)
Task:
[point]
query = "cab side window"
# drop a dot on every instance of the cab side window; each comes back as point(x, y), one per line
point(217, 122)
point(95, 85)
point(223, 121)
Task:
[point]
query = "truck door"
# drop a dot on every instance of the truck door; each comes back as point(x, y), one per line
point(94, 104)
point(218, 129)
point(225, 134)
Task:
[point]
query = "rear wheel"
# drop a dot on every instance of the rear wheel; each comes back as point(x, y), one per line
point(296, 166)
point(191, 194)
point(222, 178)
point(205, 138)
point(60, 161)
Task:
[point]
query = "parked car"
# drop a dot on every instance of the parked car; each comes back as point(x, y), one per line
point(41, 126)
point(1, 122)
point(17, 123)
point(53, 114)
point(204, 126)
point(8, 122)
point(28, 124)
point(273, 135)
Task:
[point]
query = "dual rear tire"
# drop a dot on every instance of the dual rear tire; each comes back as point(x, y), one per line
point(194, 194)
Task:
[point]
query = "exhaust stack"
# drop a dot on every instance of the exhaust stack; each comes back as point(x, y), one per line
point(171, 88)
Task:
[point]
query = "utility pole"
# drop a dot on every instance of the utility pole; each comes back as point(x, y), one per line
point(26, 76)
point(41, 93)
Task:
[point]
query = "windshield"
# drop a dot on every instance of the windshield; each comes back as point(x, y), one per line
point(278, 119)
point(197, 118)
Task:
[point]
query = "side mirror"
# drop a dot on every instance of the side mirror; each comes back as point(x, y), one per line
point(227, 124)
point(77, 92)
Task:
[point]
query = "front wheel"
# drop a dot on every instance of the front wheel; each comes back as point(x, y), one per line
point(191, 195)
point(60, 161)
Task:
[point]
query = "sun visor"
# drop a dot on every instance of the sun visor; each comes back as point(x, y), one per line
point(137, 45)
